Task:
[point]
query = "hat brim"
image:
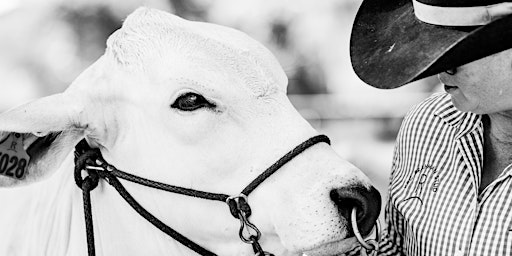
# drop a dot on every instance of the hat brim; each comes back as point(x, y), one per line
point(390, 47)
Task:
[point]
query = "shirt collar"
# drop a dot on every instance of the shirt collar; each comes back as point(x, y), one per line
point(464, 122)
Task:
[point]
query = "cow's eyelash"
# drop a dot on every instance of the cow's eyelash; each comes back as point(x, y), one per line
point(191, 101)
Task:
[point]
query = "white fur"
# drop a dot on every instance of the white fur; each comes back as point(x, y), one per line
point(121, 104)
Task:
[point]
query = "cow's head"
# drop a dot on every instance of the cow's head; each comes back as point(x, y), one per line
point(201, 106)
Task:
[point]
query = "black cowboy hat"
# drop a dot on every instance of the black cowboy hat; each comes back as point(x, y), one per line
point(390, 46)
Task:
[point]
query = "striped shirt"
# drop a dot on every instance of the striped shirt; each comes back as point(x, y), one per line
point(434, 206)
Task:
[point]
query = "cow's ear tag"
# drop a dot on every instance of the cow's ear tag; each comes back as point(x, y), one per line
point(13, 157)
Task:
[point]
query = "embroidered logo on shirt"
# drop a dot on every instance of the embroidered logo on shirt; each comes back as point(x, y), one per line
point(419, 180)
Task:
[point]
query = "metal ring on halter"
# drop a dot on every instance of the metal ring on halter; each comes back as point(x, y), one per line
point(357, 234)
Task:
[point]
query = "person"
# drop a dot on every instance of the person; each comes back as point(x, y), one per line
point(450, 188)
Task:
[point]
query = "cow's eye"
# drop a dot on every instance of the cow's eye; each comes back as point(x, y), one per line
point(191, 101)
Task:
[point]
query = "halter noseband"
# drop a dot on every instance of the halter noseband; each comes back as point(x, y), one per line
point(90, 161)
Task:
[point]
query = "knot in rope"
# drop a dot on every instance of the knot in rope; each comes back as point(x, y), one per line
point(82, 161)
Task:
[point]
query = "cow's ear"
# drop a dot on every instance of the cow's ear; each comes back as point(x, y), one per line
point(35, 138)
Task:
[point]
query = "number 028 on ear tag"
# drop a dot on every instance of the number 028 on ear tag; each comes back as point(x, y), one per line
point(13, 157)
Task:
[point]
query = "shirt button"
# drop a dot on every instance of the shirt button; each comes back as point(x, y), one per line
point(459, 253)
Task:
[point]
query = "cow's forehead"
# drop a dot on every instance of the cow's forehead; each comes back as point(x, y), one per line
point(149, 34)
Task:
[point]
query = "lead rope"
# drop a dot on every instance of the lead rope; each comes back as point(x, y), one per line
point(90, 161)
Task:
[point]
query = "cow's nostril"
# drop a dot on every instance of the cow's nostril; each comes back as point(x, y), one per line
point(367, 202)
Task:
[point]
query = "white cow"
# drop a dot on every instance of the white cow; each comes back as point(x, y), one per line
point(185, 103)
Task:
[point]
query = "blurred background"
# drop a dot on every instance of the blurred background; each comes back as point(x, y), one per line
point(44, 45)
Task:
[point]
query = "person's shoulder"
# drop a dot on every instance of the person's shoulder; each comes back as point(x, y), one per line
point(435, 103)
point(428, 112)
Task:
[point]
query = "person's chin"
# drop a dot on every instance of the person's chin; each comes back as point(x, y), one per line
point(460, 103)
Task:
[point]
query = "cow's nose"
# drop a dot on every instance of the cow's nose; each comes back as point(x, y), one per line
point(367, 202)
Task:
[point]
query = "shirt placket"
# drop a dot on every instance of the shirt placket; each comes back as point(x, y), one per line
point(474, 165)
point(506, 174)
point(481, 200)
